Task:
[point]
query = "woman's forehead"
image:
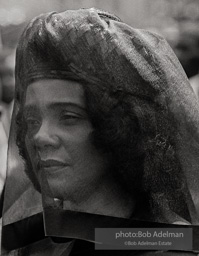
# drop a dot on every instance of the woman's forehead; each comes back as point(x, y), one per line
point(53, 91)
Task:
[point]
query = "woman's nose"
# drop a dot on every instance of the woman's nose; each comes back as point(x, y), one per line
point(46, 136)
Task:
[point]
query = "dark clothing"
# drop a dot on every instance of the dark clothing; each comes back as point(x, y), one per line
point(27, 237)
point(81, 248)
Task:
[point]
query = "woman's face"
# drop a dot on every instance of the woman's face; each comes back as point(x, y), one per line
point(59, 139)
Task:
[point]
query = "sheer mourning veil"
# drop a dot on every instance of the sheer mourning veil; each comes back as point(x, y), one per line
point(143, 110)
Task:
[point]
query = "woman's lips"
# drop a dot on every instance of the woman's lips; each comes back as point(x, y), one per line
point(51, 164)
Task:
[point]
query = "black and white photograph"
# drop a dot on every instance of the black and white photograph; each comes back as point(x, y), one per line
point(99, 127)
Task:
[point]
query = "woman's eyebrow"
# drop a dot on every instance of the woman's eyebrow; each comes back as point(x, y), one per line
point(31, 108)
point(56, 105)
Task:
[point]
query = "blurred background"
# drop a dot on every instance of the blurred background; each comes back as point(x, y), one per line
point(177, 20)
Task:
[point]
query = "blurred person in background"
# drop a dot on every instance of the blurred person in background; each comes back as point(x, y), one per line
point(100, 131)
point(185, 43)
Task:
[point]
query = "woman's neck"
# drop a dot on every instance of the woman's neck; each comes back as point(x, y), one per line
point(108, 199)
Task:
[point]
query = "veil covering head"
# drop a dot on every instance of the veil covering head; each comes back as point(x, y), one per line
point(141, 105)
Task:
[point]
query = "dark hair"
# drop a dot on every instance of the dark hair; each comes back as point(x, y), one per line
point(142, 159)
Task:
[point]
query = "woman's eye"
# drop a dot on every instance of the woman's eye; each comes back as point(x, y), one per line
point(69, 116)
